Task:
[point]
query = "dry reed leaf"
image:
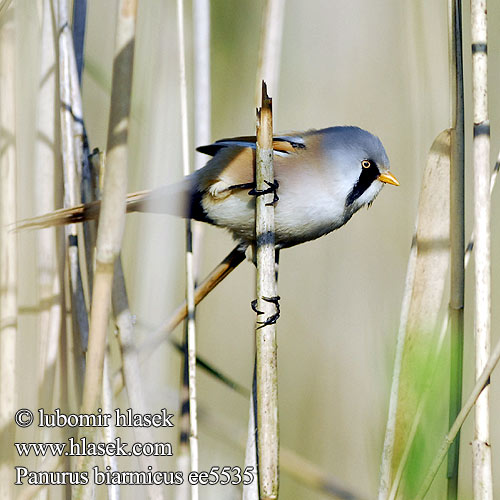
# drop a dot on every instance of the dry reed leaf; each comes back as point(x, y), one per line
point(429, 281)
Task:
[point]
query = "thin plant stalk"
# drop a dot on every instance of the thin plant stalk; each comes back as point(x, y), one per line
point(202, 104)
point(8, 248)
point(79, 22)
point(194, 229)
point(202, 135)
point(109, 431)
point(182, 492)
point(118, 382)
point(112, 215)
point(49, 244)
point(121, 311)
point(270, 48)
point(131, 370)
point(190, 285)
point(219, 273)
point(481, 385)
point(251, 491)
point(267, 307)
point(81, 148)
point(481, 448)
point(202, 87)
point(457, 235)
point(131, 375)
point(72, 197)
point(45, 174)
point(271, 36)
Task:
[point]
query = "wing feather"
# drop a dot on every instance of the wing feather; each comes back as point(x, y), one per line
point(281, 143)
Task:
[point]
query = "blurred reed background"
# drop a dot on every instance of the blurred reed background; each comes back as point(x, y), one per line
point(380, 65)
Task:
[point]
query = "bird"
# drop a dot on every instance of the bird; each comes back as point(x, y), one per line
point(322, 178)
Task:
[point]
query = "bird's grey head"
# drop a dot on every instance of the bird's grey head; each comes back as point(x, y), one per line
point(360, 162)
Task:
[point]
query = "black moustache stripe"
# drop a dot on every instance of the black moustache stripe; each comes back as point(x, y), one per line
point(196, 210)
point(368, 175)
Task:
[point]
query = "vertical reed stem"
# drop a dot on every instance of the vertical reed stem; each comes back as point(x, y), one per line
point(270, 47)
point(109, 432)
point(79, 21)
point(8, 249)
point(112, 215)
point(191, 328)
point(202, 105)
point(251, 490)
point(457, 235)
point(72, 182)
point(481, 449)
point(271, 35)
point(266, 348)
point(132, 373)
point(202, 87)
point(50, 257)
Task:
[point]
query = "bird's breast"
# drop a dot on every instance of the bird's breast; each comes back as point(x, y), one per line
point(306, 210)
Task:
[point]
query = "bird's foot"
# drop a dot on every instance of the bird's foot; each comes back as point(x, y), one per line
point(273, 188)
point(272, 319)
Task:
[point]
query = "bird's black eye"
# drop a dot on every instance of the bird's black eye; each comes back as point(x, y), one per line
point(366, 163)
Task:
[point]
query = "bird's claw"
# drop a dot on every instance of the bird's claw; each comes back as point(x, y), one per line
point(272, 319)
point(273, 187)
point(254, 307)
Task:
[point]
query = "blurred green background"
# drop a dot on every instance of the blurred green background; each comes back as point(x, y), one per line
point(380, 65)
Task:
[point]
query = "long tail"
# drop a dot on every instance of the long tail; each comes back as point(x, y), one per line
point(173, 200)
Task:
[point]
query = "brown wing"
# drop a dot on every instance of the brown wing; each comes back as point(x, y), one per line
point(232, 167)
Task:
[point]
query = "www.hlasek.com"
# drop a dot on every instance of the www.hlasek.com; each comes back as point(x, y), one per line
point(116, 447)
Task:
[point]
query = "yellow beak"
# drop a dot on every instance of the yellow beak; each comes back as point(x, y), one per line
point(388, 178)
